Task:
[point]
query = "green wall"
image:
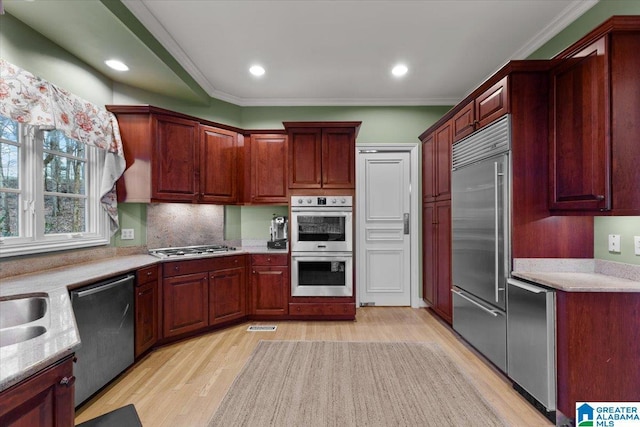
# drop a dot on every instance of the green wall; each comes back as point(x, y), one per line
point(24, 47)
point(626, 227)
point(595, 16)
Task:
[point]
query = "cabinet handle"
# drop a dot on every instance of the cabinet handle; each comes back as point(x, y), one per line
point(599, 197)
point(176, 268)
point(68, 381)
point(254, 272)
point(149, 273)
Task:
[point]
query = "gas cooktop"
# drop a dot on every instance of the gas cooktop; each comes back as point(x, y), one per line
point(190, 251)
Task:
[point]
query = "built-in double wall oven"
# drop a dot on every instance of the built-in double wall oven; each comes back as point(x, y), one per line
point(321, 246)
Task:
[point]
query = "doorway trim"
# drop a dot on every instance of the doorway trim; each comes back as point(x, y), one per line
point(415, 199)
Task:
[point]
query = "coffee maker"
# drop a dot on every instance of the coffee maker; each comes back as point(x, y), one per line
point(278, 232)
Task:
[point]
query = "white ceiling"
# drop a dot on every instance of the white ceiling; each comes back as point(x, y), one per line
point(341, 52)
point(316, 52)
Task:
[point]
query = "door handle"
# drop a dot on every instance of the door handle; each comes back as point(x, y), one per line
point(406, 223)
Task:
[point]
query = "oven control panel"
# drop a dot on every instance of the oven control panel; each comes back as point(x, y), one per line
point(321, 201)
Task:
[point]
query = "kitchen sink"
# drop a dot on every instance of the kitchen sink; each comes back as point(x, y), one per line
point(20, 334)
point(21, 310)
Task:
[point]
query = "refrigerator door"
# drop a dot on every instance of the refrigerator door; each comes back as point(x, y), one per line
point(479, 212)
point(483, 326)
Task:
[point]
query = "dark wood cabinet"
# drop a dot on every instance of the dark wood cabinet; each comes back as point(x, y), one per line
point(227, 295)
point(45, 399)
point(146, 302)
point(186, 303)
point(203, 292)
point(486, 107)
point(175, 159)
point(436, 164)
point(270, 285)
point(322, 154)
point(607, 325)
point(436, 228)
point(594, 122)
point(268, 169)
point(218, 165)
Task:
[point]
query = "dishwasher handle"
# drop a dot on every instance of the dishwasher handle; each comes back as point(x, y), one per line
point(101, 288)
point(526, 286)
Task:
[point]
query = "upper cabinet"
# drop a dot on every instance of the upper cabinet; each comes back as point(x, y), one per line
point(594, 122)
point(479, 112)
point(436, 163)
point(322, 154)
point(172, 157)
point(218, 165)
point(268, 169)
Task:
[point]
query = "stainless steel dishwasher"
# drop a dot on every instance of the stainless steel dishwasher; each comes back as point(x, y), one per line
point(105, 319)
point(531, 342)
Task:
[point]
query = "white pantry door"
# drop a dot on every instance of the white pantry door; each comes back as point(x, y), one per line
point(384, 252)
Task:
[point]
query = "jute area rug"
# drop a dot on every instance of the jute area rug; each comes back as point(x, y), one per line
point(319, 383)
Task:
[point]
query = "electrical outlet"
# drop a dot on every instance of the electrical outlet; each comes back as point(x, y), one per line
point(614, 243)
point(636, 244)
point(127, 234)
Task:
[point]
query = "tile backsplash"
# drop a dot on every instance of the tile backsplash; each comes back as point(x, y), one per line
point(183, 224)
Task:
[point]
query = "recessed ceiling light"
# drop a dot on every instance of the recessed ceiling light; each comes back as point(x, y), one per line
point(117, 65)
point(256, 70)
point(399, 70)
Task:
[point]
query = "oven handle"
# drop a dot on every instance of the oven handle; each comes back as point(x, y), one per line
point(317, 209)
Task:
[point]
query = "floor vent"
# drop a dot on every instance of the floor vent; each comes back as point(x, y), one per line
point(262, 328)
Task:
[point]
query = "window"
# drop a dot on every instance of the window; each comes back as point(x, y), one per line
point(49, 187)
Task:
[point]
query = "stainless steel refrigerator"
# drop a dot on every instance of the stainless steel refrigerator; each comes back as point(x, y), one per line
point(480, 184)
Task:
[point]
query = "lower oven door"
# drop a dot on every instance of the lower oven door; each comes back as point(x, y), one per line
point(321, 275)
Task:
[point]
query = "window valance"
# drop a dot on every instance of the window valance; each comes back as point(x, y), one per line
point(31, 100)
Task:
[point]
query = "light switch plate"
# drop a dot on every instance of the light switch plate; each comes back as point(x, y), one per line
point(614, 242)
point(127, 234)
point(636, 245)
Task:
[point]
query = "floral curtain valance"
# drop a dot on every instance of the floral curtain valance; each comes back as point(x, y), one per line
point(31, 100)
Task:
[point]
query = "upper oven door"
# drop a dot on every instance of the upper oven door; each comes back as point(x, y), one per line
point(321, 230)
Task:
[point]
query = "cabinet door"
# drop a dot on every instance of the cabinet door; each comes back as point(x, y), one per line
point(491, 104)
point(428, 169)
point(443, 139)
point(442, 259)
point(269, 169)
point(175, 159)
point(269, 291)
point(146, 301)
point(580, 144)
point(186, 303)
point(227, 297)
point(338, 158)
point(428, 254)
point(218, 165)
point(464, 121)
point(305, 158)
point(45, 399)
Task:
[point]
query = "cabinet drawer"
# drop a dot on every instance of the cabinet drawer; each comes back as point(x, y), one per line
point(269, 259)
point(176, 268)
point(322, 309)
point(146, 275)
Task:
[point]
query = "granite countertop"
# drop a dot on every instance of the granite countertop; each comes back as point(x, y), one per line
point(18, 361)
point(579, 275)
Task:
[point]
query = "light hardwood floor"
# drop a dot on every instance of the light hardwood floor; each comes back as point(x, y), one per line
point(182, 384)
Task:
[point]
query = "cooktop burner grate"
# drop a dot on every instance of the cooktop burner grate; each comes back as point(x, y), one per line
point(190, 251)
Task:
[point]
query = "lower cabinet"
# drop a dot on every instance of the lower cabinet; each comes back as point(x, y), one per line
point(436, 229)
point(45, 399)
point(227, 296)
point(270, 285)
point(202, 292)
point(146, 302)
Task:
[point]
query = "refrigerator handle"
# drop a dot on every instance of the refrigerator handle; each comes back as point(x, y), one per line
point(494, 313)
point(497, 224)
point(525, 286)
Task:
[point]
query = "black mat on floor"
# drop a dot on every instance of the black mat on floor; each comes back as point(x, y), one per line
point(122, 417)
